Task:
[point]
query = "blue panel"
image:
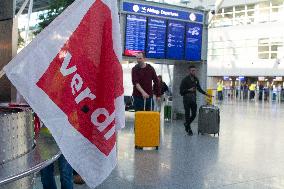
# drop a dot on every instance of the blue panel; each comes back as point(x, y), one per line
point(193, 42)
point(164, 12)
point(156, 38)
point(135, 34)
point(175, 40)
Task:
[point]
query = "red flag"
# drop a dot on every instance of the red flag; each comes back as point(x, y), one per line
point(71, 76)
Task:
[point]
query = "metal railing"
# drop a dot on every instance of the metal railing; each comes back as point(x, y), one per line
point(265, 95)
point(20, 157)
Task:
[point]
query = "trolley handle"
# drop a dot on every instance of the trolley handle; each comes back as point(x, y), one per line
point(145, 104)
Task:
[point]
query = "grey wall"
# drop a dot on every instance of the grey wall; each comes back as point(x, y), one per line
point(8, 47)
point(180, 71)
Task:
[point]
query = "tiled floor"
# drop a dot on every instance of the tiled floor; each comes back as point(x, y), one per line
point(248, 154)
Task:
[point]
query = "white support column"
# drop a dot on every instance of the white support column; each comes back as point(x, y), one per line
point(169, 72)
point(218, 4)
point(27, 29)
point(22, 8)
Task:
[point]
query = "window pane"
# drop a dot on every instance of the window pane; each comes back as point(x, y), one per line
point(275, 47)
point(240, 8)
point(250, 7)
point(250, 13)
point(275, 9)
point(228, 9)
point(263, 48)
point(263, 55)
point(273, 55)
point(230, 16)
point(240, 14)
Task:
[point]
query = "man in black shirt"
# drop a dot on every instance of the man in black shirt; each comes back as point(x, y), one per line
point(188, 88)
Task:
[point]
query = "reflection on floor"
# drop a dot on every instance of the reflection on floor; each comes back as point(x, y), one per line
point(248, 154)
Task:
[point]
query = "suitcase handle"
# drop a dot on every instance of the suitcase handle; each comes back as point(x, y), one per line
point(145, 104)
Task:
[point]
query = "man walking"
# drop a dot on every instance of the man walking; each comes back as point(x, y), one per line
point(142, 77)
point(188, 88)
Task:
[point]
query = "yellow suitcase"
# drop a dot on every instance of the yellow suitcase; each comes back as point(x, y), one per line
point(147, 129)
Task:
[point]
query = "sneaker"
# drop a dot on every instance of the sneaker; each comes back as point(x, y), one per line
point(190, 132)
point(186, 127)
point(78, 180)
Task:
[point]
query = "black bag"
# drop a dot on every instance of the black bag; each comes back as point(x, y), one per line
point(128, 101)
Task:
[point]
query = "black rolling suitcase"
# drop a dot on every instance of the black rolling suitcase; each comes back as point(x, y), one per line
point(209, 120)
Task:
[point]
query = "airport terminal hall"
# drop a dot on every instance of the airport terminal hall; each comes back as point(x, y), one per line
point(141, 94)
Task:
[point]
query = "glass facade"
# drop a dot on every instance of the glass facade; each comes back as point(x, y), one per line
point(262, 12)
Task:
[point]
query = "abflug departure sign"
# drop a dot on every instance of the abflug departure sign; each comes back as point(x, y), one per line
point(161, 12)
point(158, 11)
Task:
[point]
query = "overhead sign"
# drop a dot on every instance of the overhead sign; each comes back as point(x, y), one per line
point(175, 40)
point(163, 12)
point(193, 41)
point(135, 34)
point(156, 39)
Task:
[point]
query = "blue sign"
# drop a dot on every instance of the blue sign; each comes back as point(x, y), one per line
point(193, 42)
point(241, 78)
point(226, 78)
point(156, 38)
point(175, 40)
point(164, 12)
point(135, 34)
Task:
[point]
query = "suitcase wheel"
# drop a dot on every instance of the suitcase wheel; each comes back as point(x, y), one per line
point(157, 147)
point(138, 147)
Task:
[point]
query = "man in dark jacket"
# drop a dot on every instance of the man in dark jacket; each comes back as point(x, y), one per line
point(188, 88)
point(143, 76)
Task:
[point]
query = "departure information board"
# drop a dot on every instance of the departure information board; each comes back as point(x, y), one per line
point(175, 40)
point(161, 38)
point(193, 42)
point(156, 38)
point(135, 34)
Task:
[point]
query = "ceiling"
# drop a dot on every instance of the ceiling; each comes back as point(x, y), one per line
point(38, 5)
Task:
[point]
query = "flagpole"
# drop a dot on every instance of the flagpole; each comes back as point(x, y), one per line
point(2, 73)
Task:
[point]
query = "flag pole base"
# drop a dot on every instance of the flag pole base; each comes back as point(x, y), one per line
point(13, 173)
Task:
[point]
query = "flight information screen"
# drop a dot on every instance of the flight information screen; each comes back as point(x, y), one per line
point(156, 38)
point(135, 34)
point(175, 40)
point(193, 42)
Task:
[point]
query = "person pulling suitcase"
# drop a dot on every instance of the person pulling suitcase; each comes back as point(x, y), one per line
point(143, 77)
point(188, 88)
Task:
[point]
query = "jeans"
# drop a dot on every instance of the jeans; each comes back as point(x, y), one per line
point(220, 95)
point(190, 108)
point(139, 104)
point(66, 175)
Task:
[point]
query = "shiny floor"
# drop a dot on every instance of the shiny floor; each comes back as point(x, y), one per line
point(249, 153)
